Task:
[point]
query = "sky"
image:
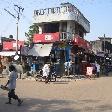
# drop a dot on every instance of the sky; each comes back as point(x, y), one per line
point(98, 12)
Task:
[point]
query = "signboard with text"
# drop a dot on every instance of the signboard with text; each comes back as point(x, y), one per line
point(12, 45)
point(62, 13)
point(46, 37)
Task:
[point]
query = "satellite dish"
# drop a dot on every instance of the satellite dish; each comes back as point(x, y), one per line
point(16, 57)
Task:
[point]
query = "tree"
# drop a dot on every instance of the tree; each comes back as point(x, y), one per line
point(33, 29)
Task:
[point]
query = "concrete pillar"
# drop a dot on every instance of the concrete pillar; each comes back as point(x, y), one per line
point(69, 26)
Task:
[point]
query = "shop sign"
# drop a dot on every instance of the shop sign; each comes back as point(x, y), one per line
point(46, 37)
point(12, 45)
point(54, 10)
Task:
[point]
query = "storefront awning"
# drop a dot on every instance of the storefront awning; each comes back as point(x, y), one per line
point(40, 50)
point(8, 53)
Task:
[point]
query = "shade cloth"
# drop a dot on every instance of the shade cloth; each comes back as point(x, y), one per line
point(40, 50)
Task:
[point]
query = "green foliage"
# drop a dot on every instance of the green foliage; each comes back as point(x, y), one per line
point(33, 29)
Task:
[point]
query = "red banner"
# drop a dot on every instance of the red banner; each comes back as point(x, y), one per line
point(12, 45)
point(46, 37)
point(81, 42)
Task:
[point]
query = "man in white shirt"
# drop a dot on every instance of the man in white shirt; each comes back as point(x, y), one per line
point(46, 71)
point(11, 84)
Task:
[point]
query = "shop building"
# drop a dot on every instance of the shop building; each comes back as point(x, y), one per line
point(64, 27)
point(8, 49)
point(63, 24)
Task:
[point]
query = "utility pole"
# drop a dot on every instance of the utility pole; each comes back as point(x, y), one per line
point(19, 11)
point(104, 49)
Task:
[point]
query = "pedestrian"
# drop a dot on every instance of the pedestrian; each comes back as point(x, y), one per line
point(46, 70)
point(11, 84)
point(97, 69)
point(20, 70)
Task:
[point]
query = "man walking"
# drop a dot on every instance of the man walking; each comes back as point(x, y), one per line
point(11, 84)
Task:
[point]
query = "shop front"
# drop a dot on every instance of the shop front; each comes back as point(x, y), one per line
point(9, 52)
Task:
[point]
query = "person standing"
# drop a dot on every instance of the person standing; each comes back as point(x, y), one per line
point(20, 70)
point(11, 84)
point(97, 69)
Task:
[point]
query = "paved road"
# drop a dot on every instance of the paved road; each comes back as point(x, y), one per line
point(62, 96)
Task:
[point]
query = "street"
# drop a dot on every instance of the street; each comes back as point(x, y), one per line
point(65, 95)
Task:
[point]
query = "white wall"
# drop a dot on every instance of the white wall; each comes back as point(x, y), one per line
point(62, 13)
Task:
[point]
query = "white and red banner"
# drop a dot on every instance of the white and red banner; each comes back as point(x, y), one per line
point(12, 45)
point(46, 37)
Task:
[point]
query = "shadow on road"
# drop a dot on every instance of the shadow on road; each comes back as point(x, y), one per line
point(42, 105)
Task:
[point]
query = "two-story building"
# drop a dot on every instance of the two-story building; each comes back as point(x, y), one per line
point(62, 26)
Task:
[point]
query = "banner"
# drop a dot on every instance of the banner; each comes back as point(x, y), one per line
point(12, 45)
point(46, 37)
point(82, 42)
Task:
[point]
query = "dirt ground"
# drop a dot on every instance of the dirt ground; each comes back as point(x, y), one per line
point(65, 95)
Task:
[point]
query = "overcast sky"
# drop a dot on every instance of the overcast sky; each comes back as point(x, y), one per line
point(98, 12)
